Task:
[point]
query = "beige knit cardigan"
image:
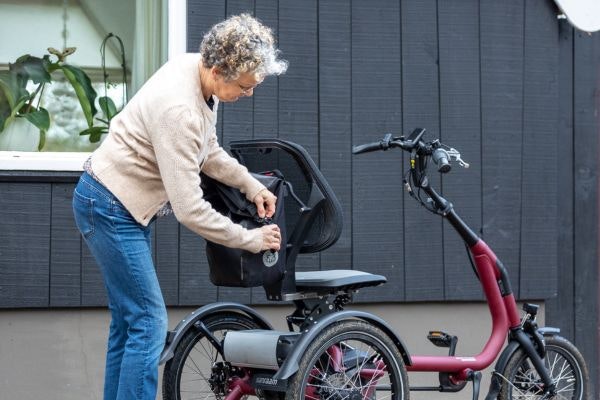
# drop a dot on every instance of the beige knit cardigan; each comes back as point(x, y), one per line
point(156, 148)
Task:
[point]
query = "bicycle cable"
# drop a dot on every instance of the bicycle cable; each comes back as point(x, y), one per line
point(428, 207)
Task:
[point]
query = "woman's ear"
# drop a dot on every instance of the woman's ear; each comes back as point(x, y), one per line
point(215, 73)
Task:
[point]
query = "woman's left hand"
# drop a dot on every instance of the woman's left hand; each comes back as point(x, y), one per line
point(265, 203)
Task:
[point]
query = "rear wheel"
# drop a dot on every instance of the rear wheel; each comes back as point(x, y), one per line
point(350, 360)
point(564, 362)
point(197, 370)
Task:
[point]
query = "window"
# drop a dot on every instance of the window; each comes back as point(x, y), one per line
point(86, 23)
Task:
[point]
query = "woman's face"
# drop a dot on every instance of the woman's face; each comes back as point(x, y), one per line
point(230, 91)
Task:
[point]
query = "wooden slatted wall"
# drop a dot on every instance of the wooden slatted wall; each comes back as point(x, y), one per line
point(482, 76)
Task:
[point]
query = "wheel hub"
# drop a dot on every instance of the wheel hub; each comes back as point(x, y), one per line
point(218, 379)
point(336, 388)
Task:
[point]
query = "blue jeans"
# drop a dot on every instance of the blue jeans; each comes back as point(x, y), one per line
point(122, 249)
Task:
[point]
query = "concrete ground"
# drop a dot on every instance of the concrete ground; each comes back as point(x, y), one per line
point(59, 354)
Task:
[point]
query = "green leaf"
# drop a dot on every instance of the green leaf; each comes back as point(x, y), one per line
point(84, 90)
point(95, 133)
point(13, 91)
point(108, 107)
point(42, 140)
point(5, 109)
point(29, 67)
point(39, 118)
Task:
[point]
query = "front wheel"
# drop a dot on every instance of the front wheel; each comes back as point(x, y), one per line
point(350, 360)
point(565, 364)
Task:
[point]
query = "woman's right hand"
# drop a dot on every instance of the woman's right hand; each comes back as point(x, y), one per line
point(271, 237)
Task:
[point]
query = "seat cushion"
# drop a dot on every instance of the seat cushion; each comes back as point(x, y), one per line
point(337, 278)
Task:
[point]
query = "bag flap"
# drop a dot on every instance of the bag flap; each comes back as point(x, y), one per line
point(234, 200)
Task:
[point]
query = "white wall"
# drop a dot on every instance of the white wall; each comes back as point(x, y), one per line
point(59, 354)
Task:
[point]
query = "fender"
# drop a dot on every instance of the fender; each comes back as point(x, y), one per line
point(174, 336)
point(509, 350)
point(290, 365)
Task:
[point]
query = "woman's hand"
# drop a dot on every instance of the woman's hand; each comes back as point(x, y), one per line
point(265, 203)
point(271, 237)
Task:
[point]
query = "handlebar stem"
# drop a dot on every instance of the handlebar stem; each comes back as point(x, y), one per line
point(446, 209)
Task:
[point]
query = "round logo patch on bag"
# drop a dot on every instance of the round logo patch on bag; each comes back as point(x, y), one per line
point(270, 258)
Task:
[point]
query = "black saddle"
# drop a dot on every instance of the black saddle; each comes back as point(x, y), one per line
point(336, 280)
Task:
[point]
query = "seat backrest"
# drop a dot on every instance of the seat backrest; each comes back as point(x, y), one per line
point(308, 187)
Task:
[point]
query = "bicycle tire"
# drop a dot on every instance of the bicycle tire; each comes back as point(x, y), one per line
point(566, 366)
point(350, 359)
point(190, 344)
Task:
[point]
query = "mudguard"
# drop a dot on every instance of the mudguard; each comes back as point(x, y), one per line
point(174, 336)
point(509, 350)
point(290, 365)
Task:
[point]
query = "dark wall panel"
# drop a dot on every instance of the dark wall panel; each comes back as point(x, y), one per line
point(65, 250)
point(166, 260)
point(586, 98)
point(194, 284)
point(335, 123)
point(298, 90)
point(377, 215)
point(238, 117)
point(460, 127)
point(266, 99)
point(24, 244)
point(501, 47)
point(561, 308)
point(540, 137)
point(201, 16)
point(423, 258)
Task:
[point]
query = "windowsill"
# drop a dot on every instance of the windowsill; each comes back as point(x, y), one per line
point(47, 161)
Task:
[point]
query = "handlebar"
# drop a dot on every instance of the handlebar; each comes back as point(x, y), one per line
point(375, 146)
point(440, 157)
point(441, 154)
point(416, 181)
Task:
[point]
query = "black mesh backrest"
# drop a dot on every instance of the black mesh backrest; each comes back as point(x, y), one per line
point(307, 182)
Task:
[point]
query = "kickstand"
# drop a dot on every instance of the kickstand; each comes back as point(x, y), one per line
point(476, 378)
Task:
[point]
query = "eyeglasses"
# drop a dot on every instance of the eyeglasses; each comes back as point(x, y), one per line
point(246, 90)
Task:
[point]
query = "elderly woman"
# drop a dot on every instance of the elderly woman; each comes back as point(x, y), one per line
point(149, 166)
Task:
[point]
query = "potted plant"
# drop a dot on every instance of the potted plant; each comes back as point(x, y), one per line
point(20, 111)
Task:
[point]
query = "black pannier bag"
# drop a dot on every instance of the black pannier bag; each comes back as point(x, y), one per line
point(237, 267)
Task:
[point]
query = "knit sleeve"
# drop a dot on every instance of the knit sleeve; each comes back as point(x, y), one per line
point(221, 166)
point(177, 144)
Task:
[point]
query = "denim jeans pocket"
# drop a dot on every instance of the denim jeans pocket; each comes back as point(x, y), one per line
point(83, 208)
point(119, 209)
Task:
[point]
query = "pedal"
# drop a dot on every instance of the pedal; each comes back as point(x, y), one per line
point(442, 339)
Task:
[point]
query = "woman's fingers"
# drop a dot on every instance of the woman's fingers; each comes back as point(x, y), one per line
point(271, 237)
point(265, 197)
point(270, 202)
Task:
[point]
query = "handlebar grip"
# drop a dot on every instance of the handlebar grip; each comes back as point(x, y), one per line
point(441, 158)
point(366, 148)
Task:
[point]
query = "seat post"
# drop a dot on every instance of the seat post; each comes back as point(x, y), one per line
point(310, 310)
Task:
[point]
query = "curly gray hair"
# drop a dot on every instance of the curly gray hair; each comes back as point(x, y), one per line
point(241, 44)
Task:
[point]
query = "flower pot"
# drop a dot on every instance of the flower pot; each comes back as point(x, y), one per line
point(20, 135)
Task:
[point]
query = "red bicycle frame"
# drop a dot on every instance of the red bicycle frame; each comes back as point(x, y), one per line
point(503, 310)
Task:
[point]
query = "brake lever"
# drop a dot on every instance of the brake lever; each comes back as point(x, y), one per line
point(452, 152)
